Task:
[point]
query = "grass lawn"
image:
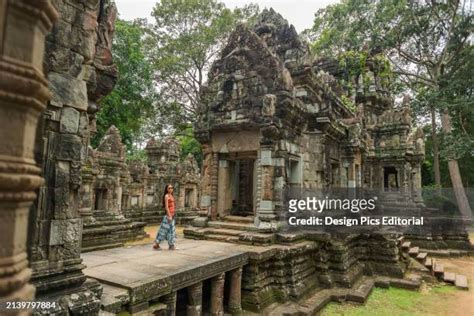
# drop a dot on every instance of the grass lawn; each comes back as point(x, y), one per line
point(400, 302)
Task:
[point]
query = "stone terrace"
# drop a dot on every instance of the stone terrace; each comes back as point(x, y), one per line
point(136, 277)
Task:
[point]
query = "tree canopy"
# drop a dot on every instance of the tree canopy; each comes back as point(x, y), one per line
point(131, 106)
point(429, 44)
point(182, 43)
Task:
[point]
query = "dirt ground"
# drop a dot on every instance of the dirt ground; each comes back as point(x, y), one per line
point(459, 302)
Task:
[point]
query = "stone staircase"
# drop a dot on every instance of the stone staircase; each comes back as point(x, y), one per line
point(104, 230)
point(236, 229)
point(360, 291)
point(433, 267)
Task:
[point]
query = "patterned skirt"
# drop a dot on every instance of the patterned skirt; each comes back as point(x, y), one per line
point(167, 231)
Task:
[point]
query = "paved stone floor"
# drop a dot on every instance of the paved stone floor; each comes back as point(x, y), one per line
point(146, 274)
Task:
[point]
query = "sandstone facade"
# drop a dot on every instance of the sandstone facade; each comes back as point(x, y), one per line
point(23, 96)
point(80, 70)
point(278, 116)
point(142, 196)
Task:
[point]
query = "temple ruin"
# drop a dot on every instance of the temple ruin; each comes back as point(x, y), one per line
point(272, 113)
point(142, 196)
point(272, 117)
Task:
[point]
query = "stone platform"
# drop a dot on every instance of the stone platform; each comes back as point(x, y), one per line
point(138, 277)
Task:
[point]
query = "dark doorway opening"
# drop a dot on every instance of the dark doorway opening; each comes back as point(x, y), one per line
point(390, 179)
point(100, 199)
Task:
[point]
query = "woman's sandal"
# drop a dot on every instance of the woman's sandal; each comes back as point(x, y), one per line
point(172, 248)
point(156, 246)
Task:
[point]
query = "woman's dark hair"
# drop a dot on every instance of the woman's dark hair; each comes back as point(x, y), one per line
point(164, 195)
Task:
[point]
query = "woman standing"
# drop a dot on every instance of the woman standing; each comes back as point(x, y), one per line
point(167, 228)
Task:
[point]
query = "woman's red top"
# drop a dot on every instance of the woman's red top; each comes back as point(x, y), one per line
point(171, 205)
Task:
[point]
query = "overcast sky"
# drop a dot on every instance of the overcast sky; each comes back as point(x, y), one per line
point(300, 13)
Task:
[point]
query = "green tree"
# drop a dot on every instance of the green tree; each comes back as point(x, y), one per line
point(429, 44)
point(183, 42)
point(189, 145)
point(131, 104)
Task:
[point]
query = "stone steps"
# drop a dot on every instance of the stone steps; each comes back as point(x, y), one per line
point(239, 219)
point(232, 225)
point(449, 277)
point(446, 253)
point(413, 251)
point(223, 238)
point(438, 270)
point(435, 268)
point(421, 257)
point(461, 282)
point(257, 238)
point(429, 263)
point(222, 231)
point(359, 293)
point(230, 235)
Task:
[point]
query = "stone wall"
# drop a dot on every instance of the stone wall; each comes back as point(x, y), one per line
point(143, 192)
point(283, 274)
point(79, 67)
point(23, 96)
point(269, 100)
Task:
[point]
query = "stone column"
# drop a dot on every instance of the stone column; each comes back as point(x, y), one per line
point(194, 307)
point(170, 301)
point(214, 179)
point(235, 306)
point(217, 295)
point(222, 187)
point(23, 96)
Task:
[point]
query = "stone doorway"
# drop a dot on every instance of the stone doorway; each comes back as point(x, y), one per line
point(237, 185)
point(390, 179)
point(189, 198)
point(100, 202)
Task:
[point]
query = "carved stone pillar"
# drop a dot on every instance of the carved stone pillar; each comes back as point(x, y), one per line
point(170, 301)
point(23, 96)
point(194, 300)
point(235, 306)
point(217, 295)
point(214, 185)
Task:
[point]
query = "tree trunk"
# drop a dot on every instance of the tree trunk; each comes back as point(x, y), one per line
point(434, 138)
point(456, 180)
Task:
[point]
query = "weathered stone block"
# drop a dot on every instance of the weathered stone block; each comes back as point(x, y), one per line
point(61, 179)
point(68, 90)
point(83, 125)
point(65, 231)
point(69, 120)
point(205, 201)
point(200, 221)
point(69, 147)
point(266, 205)
point(266, 158)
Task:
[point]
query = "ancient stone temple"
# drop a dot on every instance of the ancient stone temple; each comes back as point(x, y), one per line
point(79, 67)
point(274, 118)
point(104, 176)
point(142, 197)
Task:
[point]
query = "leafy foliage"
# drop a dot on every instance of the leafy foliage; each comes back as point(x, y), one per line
point(189, 145)
point(184, 40)
point(429, 46)
point(131, 104)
